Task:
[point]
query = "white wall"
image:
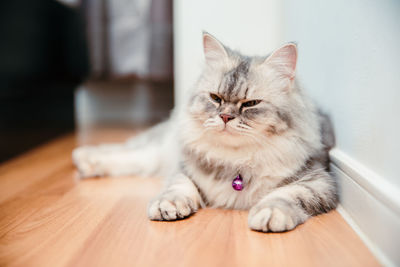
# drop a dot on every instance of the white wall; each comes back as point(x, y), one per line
point(350, 63)
point(252, 26)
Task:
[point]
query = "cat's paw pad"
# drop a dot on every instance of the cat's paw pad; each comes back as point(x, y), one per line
point(273, 218)
point(86, 161)
point(169, 208)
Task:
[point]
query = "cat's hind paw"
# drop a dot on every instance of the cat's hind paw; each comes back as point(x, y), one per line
point(170, 208)
point(86, 161)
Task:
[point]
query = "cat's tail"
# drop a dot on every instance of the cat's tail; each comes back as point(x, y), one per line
point(326, 129)
point(327, 137)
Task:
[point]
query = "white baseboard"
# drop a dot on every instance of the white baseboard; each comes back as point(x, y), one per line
point(370, 205)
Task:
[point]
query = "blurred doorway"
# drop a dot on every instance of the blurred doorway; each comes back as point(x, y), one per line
point(131, 79)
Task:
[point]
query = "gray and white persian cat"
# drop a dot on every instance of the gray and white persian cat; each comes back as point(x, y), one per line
point(245, 138)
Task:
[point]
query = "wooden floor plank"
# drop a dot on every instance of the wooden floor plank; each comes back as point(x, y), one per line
point(48, 217)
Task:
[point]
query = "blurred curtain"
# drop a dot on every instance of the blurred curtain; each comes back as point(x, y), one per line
point(130, 38)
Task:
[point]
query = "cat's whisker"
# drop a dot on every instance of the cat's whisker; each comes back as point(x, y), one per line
point(210, 123)
point(245, 126)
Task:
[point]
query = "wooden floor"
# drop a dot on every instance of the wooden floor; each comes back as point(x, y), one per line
point(48, 217)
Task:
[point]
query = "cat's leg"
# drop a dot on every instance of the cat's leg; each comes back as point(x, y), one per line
point(116, 159)
point(178, 200)
point(290, 205)
point(149, 153)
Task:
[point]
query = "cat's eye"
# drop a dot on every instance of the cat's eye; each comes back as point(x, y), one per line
point(216, 98)
point(250, 103)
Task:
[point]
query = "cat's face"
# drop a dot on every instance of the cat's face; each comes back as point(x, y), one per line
point(241, 100)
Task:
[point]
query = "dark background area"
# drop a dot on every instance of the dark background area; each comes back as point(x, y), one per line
point(43, 57)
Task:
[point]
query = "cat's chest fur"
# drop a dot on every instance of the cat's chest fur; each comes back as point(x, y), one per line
point(213, 169)
point(214, 183)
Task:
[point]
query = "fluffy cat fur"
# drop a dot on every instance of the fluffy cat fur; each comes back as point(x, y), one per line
point(247, 116)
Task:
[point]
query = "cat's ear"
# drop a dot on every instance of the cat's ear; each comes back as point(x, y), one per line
point(284, 60)
point(214, 50)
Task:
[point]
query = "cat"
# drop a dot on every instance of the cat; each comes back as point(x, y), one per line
point(245, 138)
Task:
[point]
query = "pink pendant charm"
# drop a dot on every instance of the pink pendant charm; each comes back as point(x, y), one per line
point(237, 183)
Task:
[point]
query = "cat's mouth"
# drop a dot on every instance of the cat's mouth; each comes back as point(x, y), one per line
point(228, 130)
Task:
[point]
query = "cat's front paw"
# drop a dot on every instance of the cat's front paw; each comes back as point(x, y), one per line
point(171, 207)
point(275, 218)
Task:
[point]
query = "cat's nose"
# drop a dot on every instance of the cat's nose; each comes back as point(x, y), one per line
point(226, 117)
